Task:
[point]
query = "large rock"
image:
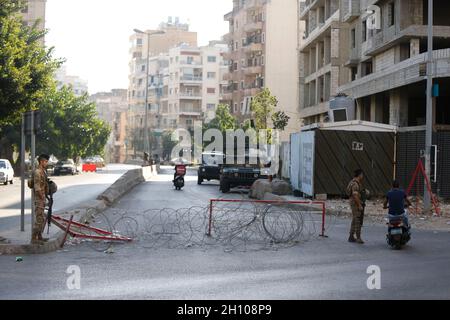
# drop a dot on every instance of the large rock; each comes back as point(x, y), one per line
point(259, 188)
point(281, 188)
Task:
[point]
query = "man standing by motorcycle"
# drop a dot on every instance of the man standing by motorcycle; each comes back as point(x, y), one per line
point(395, 201)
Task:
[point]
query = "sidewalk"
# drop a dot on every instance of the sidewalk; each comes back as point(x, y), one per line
point(75, 195)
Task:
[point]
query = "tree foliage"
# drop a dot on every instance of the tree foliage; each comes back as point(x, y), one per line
point(71, 127)
point(26, 67)
point(262, 106)
point(223, 120)
point(280, 120)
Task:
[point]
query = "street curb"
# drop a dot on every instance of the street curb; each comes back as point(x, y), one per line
point(98, 205)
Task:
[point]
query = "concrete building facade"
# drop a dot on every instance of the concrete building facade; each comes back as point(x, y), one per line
point(320, 58)
point(33, 12)
point(112, 107)
point(386, 68)
point(263, 41)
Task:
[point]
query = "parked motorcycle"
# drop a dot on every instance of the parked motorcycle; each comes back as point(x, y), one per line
point(180, 172)
point(398, 234)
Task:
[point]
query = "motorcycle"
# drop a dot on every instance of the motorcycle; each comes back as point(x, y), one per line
point(180, 172)
point(398, 234)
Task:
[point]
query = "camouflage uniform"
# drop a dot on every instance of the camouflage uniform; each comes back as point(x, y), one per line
point(40, 191)
point(355, 186)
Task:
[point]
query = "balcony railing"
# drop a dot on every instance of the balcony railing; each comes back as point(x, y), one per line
point(191, 78)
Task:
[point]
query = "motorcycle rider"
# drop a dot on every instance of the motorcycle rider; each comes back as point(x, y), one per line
point(179, 162)
point(395, 201)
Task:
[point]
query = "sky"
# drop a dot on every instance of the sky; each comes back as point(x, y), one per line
point(93, 35)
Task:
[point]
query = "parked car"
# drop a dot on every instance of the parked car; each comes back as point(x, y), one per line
point(97, 160)
point(6, 172)
point(210, 166)
point(65, 167)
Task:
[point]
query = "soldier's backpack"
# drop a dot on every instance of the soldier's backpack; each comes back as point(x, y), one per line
point(30, 183)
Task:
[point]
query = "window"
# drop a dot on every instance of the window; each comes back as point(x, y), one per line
point(263, 38)
point(139, 42)
point(353, 38)
point(211, 90)
point(242, 107)
point(235, 107)
point(211, 75)
point(189, 122)
point(143, 68)
point(212, 59)
point(242, 85)
point(391, 14)
point(211, 107)
point(354, 73)
point(364, 31)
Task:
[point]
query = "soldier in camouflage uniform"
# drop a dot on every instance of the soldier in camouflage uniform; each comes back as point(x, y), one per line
point(40, 189)
point(354, 190)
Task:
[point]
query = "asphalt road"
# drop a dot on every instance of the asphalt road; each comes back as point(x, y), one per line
point(320, 268)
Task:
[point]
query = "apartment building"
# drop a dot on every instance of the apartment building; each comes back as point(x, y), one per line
point(33, 12)
point(112, 108)
point(263, 41)
point(78, 85)
point(320, 58)
point(386, 62)
point(175, 34)
point(192, 85)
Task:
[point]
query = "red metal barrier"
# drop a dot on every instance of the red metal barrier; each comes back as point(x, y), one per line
point(89, 167)
point(321, 203)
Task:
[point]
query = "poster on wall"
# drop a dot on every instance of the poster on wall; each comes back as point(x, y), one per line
point(307, 147)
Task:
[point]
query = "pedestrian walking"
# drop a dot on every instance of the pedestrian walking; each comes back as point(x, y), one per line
point(40, 189)
point(354, 190)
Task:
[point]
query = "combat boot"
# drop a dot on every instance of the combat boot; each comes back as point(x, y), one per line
point(352, 239)
point(35, 239)
point(358, 239)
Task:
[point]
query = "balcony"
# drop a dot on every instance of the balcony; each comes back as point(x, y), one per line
point(191, 63)
point(252, 91)
point(227, 96)
point(398, 75)
point(351, 9)
point(190, 95)
point(191, 79)
point(253, 70)
point(253, 26)
point(228, 76)
point(254, 4)
point(252, 47)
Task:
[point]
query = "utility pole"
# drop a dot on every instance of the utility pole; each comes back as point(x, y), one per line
point(429, 112)
point(147, 64)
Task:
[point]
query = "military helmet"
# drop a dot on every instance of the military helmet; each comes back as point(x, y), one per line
point(52, 187)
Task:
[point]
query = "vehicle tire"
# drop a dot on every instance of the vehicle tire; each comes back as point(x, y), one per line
point(6, 181)
point(12, 181)
point(199, 180)
point(224, 186)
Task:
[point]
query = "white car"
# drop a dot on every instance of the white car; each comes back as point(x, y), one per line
point(6, 172)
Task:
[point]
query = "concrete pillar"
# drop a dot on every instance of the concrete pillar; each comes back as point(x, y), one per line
point(414, 47)
point(373, 108)
point(394, 108)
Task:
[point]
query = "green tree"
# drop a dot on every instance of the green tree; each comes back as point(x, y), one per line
point(223, 120)
point(168, 144)
point(71, 127)
point(280, 120)
point(26, 67)
point(262, 106)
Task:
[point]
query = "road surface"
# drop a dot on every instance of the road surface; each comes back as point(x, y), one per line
point(329, 268)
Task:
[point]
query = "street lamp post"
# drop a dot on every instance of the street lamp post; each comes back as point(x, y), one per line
point(429, 112)
point(147, 67)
